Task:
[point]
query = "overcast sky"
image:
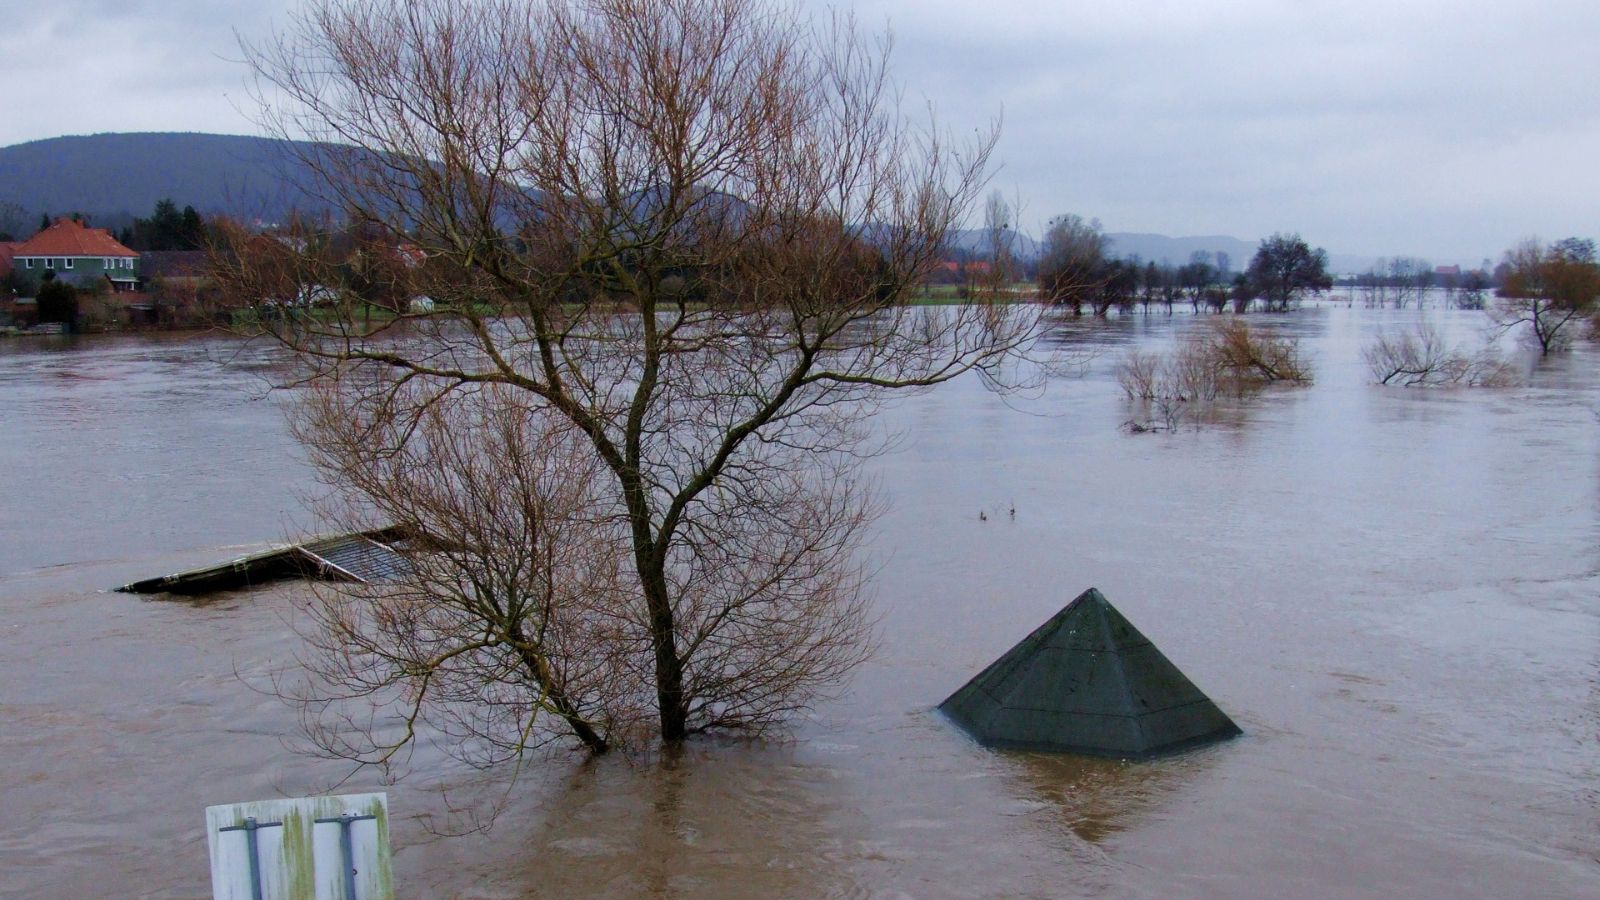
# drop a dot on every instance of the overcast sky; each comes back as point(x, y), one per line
point(1443, 129)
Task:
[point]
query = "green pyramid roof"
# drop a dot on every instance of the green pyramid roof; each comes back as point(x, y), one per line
point(1087, 681)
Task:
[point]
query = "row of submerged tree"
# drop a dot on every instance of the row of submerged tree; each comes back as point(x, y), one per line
point(1076, 271)
point(1548, 288)
point(1546, 293)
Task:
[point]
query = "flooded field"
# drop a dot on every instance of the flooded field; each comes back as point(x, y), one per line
point(1395, 593)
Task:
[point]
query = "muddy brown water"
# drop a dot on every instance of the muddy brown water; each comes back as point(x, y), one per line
point(1396, 593)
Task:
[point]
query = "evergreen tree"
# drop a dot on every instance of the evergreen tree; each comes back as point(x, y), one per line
point(192, 229)
point(168, 229)
point(58, 301)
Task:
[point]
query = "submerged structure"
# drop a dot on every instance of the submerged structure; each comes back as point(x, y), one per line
point(363, 557)
point(1087, 681)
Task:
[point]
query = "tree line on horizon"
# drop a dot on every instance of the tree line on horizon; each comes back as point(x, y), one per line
point(1547, 288)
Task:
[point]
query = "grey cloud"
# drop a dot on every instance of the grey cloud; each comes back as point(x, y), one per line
point(1373, 128)
point(1441, 128)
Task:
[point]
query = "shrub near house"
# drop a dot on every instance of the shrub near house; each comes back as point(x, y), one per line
point(86, 258)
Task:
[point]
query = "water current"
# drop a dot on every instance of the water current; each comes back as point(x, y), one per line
point(1395, 593)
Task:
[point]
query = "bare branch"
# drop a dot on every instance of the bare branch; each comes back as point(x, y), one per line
point(667, 249)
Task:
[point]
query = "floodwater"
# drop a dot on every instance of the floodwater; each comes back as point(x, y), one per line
point(1396, 593)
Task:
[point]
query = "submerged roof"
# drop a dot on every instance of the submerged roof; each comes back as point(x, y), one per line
point(1087, 681)
point(358, 557)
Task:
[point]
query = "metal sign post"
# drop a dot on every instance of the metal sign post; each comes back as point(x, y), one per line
point(310, 848)
point(347, 854)
point(250, 827)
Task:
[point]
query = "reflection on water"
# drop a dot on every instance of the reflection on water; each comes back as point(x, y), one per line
point(764, 820)
point(1392, 591)
point(1095, 799)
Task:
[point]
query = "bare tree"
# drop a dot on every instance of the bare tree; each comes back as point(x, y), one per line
point(1548, 289)
point(1072, 261)
point(1171, 285)
point(1197, 277)
point(1422, 358)
point(1000, 235)
point(684, 230)
point(1372, 284)
point(1408, 279)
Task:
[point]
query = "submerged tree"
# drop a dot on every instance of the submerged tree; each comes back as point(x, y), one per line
point(1071, 261)
point(1201, 282)
point(1548, 289)
point(1227, 358)
point(673, 240)
point(1421, 358)
point(1285, 268)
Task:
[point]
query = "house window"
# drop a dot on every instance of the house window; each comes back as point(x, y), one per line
point(106, 263)
point(49, 263)
point(30, 262)
point(69, 262)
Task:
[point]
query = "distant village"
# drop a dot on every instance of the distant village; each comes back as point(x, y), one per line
point(72, 276)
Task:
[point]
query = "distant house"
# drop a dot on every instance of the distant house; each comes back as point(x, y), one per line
point(84, 256)
point(410, 255)
point(957, 271)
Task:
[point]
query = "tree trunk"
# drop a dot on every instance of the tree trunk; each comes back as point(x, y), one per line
point(558, 698)
point(669, 668)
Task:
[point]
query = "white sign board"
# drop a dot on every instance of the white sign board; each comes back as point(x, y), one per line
point(308, 848)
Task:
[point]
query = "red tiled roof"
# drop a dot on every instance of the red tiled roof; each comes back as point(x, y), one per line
point(65, 237)
point(977, 266)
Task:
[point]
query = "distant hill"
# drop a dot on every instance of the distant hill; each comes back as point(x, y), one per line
point(113, 177)
point(1177, 250)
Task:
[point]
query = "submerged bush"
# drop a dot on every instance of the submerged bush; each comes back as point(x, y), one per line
point(1249, 359)
point(1421, 358)
point(1230, 359)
